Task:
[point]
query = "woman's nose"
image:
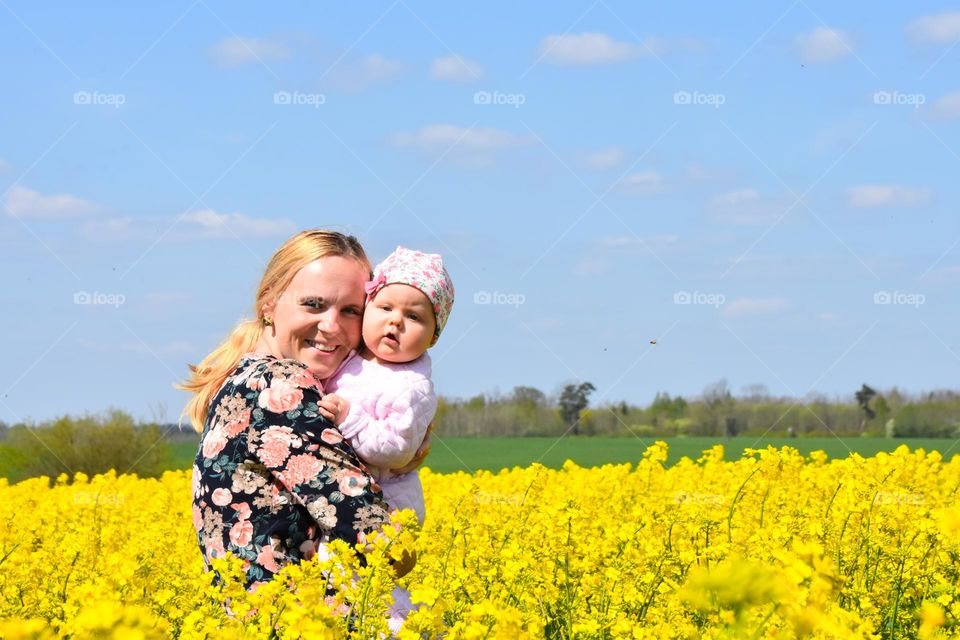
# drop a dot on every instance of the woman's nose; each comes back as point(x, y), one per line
point(327, 322)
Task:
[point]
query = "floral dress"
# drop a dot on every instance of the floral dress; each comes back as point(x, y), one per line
point(273, 478)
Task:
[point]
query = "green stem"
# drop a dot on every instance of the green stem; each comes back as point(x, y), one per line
point(733, 505)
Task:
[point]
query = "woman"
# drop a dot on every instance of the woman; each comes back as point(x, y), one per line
point(273, 477)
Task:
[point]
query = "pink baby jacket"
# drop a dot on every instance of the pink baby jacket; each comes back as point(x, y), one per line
point(391, 406)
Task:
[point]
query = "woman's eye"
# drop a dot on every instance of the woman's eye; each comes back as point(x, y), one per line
point(314, 303)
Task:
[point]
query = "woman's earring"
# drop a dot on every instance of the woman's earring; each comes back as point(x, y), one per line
point(267, 322)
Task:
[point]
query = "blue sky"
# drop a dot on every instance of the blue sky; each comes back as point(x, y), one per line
point(767, 189)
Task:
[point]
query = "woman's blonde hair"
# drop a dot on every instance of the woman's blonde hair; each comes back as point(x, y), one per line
point(207, 377)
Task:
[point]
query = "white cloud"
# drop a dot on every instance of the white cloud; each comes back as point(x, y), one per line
point(943, 28)
point(831, 319)
point(585, 49)
point(26, 203)
point(359, 74)
point(213, 224)
point(882, 195)
point(644, 183)
point(376, 68)
point(743, 307)
point(604, 158)
point(455, 69)
point(747, 207)
point(737, 197)
point(823, 44)
point(946, 107)
point(438, 137)
point(236, 51)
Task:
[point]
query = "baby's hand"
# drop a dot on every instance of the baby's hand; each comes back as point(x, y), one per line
point(334, 408)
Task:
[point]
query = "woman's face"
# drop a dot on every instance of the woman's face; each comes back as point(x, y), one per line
point(317, 319)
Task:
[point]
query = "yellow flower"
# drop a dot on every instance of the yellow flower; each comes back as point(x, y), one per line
point(931, 618)
point(772, 544)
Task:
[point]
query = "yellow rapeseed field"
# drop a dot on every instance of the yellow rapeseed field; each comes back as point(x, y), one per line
point(772, 545)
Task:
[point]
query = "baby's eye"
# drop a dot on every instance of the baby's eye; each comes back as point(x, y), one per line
point(413, 317)
point(385, 307)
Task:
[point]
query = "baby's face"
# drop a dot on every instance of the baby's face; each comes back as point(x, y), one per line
point(398, 324)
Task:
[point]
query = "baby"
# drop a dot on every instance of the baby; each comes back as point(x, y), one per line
point(390, 399)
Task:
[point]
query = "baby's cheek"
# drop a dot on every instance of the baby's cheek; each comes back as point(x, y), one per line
point(368, 332)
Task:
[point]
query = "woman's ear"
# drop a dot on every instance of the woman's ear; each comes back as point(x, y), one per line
point(267, 309)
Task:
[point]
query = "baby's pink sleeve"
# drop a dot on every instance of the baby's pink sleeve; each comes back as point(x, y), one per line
point(386, 430)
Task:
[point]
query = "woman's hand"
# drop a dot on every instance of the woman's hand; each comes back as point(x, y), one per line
point(422, 452)
point(334, 408)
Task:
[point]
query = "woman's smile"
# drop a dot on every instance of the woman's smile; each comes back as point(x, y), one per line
point(321, 346)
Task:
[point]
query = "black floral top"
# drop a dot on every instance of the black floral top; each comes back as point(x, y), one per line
point(273, 478)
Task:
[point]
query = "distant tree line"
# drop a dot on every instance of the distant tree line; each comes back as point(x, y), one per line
point(91, 444)
point(527, 411)
point(114, 440)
